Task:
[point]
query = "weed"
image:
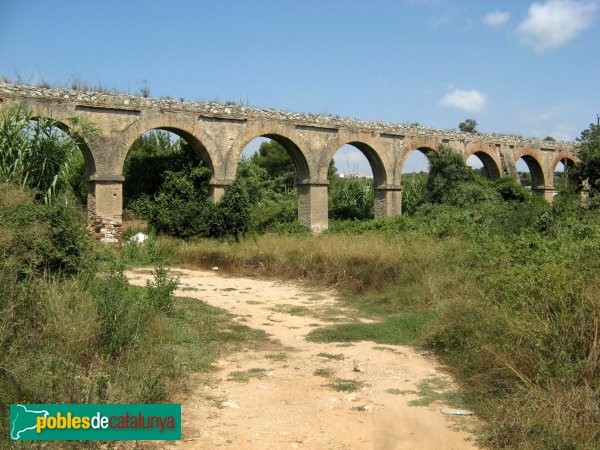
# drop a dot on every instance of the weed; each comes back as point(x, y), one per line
point(337, 357)
point(246, 375)
point(395, 391)
point(324, 372)
point(276, 356)
point(343, 385)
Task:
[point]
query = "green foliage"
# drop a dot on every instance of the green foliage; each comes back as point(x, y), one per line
point(178, 207)
point(510, 190)
point(350, 198)
point(135, 254)
point(234, 209)
point(414, 192)
point(37, 154)
point(159, 292)
point(468, 126)
point(150, 158)
point(447, 172)
point(120, 312)
point(588, 167)
point(394, 330)
point(278, 164)
point(37, 238)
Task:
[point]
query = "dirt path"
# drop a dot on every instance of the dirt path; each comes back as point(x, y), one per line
point(278, 396)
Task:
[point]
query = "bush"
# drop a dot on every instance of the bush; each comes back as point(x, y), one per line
point(36, 239)
point(350, 198)
point(178, 206)
point(447, 172)
point(510, 189)
point(234, 209)
point(414, 193)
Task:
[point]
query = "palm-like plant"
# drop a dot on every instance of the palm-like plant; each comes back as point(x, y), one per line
point(37, 153)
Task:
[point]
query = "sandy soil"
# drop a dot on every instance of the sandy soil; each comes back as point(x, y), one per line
point(284, 404)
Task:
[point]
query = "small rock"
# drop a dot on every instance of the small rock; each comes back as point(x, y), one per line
point(215, 268)
point(230, 404)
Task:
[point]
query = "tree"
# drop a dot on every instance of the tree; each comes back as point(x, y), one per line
point(447, 171)
point(468, 126)
point(588, 166)
point(278, 163)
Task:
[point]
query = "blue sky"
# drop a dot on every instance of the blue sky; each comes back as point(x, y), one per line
point(521, 67)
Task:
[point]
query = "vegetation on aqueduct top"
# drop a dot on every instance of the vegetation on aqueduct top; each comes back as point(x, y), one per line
point(504, 287)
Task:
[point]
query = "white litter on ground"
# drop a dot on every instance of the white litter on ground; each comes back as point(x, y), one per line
point(139, 238)
point(457, 412)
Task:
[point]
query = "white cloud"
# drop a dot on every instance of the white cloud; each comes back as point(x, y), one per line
point(496, 19)
point(556, 22)
point(469, 101)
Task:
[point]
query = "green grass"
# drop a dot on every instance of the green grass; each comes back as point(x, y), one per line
point(344, 385)
point(246, 375)
point(293, 310)
point(432, 390)
point(276, 356)
point(324, 372)
point(395, 391)
point(200, 334)
point(402, 329)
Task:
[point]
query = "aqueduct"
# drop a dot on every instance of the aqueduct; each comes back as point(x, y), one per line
point(219, 133)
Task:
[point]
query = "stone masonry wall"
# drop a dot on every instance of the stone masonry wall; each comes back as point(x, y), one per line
point(128, 102)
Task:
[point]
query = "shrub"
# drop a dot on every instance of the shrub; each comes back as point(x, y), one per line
point(510, 189)
point(178, 205)
point(447, 172)
point(234, 208)
point(36, 238)
point(414, 193)
point(350, 198)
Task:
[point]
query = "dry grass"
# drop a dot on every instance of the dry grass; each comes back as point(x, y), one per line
point(353, 264)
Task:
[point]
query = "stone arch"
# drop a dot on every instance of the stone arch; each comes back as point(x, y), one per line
point(492, 166)
point(286, 137)
point(425, 146)
point(188, 129)
point(568, 155)
point(568, 158)
point(538, 177)
point(62, 123)
point(372, 151)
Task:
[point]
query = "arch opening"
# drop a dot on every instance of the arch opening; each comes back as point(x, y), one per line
point(67, 157)
point(530, 173)
point(271, 167)
point(355, 172)
point(280, 153)
point(484, 165)
point(166, 176)
point(562, 177)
